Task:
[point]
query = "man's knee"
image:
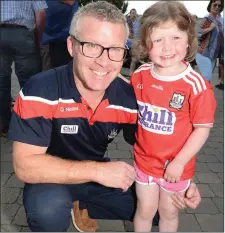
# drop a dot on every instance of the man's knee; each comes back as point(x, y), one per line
point(47, 210)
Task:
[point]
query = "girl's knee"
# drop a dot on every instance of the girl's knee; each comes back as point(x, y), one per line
point(168, 212)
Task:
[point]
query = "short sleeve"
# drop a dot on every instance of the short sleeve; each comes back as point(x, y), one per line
point(31, 120)
point(202, 108)
point(39, 5)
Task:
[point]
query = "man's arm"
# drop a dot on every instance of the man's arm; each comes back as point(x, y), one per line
point(68, 2)
point(191, 199)
point(33, 165)
point(39, 25)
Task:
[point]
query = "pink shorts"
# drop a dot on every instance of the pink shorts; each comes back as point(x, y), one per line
point(145, 179)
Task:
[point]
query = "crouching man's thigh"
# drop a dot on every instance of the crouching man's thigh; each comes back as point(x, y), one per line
point(47, 206)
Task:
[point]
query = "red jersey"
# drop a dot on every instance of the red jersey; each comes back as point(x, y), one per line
point(169, 109)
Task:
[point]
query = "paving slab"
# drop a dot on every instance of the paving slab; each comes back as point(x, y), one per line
point(207, 158)
point(9, 195)
point(8, 211)
point(4, 178)
point(205, 190)
point(218, 189)
point(208, 177)
point(211, 223)
point(188, 223)
point(20, 218)
point(219, 203)
point(216, 167)
point(14, 182)
point(206, 206)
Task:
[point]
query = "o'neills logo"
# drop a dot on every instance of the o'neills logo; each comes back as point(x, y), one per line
point(156, 119)
point(69, 129)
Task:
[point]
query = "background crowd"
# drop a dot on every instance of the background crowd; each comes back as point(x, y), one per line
point(34, 33)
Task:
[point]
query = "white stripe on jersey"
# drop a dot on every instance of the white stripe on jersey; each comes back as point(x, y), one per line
point(42, 100)
point(122, 108)
point(200, 78)
point(204, 124)
point(192, 84)
point(195, 80)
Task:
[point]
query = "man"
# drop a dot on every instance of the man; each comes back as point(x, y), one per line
point(63, 121)
point(58, 18)
point(20, 32)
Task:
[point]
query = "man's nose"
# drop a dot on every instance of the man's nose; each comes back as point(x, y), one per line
point(103, 59)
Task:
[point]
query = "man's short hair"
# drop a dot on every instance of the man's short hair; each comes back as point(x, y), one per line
point(100, 10)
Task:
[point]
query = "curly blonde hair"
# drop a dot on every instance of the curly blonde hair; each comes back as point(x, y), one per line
point(157, 14)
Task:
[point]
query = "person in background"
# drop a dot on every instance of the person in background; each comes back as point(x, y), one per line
point(63, 122)
point(176, 112)
point(21, 28)
point(211, 39)
point(221, 59)
point(134, 25)
point(54, 46)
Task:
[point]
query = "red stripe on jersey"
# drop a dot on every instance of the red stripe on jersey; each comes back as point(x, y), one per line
point(30, 108)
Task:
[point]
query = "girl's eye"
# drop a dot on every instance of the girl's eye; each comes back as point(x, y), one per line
point(157, 41)
point(176, 38)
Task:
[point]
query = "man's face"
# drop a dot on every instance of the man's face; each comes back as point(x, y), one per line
point(96, 74)
point(133, 14)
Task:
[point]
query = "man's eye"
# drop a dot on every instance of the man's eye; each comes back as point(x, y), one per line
point(115, 49)
point(90, 45)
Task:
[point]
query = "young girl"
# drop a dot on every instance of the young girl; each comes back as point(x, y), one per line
point(176, 112)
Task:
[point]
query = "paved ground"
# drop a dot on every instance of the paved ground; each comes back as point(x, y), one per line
point(209, 216)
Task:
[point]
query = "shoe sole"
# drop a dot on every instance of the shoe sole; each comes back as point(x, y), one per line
point(74, 223)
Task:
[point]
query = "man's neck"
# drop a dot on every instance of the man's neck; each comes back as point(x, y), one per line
point(93, 98)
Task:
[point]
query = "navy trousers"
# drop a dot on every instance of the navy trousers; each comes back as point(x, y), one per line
point(48, 206)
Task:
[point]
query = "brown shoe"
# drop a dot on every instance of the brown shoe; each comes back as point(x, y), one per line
point(81, 220)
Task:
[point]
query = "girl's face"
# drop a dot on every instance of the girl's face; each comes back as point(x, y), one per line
point(169, 45)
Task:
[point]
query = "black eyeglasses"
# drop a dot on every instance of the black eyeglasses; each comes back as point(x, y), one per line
point(217, 5)
point(93, 50)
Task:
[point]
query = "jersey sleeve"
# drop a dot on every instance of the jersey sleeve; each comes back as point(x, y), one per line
point(31, 120)
point(39, 5)
point(202, 108)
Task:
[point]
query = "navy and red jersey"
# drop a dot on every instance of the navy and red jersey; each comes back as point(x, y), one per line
point(50, 112)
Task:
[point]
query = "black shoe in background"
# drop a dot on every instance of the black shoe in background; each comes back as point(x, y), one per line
point(220, 86)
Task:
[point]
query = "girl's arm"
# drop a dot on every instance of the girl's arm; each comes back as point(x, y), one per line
point(196, 140)
point(194, 143)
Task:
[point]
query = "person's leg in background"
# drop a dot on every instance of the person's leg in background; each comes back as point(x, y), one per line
point(45, 58)
point(26, 56)
point(59, 54)
point(205, 66)
point(5, 80)
point(221, 74)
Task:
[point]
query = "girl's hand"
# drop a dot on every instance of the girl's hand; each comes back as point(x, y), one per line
point(173, 172)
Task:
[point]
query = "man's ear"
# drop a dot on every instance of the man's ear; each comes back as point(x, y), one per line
point(70, 46)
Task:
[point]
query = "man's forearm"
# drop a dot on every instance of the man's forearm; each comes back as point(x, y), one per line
point(40, 24)
point(193, 145)
point(44, 168)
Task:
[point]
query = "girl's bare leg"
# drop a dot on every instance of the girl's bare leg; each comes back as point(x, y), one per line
point(147, 205)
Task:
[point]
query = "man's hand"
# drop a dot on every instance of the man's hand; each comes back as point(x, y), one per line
point(173, 172)
point(116, 174)
point(191, 199)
